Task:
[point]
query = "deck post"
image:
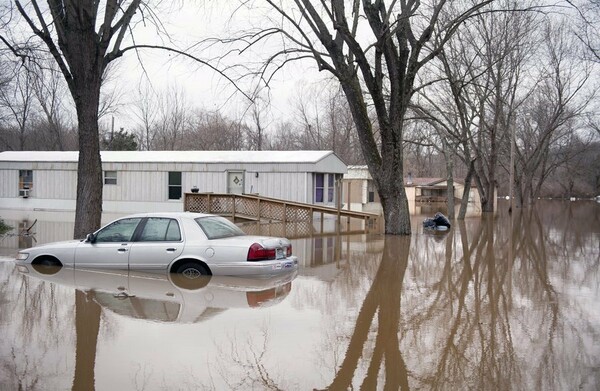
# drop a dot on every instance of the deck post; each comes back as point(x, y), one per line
point(321, 222)
point(209, 206)
point(233, 206)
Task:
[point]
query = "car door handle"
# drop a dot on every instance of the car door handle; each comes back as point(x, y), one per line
point(171, 250)
point(122, 250)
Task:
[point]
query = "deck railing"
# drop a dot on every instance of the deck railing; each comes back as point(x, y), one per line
point(259, 208)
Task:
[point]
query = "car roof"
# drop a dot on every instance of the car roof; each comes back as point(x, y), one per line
point(185, 215)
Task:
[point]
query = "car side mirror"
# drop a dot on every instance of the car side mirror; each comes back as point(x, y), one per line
point(90, 238)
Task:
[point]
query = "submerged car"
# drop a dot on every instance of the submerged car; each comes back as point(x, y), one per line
point(192, 244)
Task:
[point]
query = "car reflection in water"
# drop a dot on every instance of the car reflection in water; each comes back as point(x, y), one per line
point(166, 297)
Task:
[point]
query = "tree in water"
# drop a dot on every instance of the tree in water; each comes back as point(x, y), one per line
point(83, 49)
point(376, 51)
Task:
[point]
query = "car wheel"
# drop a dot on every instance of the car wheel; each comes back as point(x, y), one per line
point(47, 266)
point(192, 270)
point(191, 275)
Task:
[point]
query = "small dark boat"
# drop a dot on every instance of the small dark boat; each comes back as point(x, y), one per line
point(438, 222)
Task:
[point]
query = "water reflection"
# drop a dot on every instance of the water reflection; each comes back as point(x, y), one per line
point(164, 297)
point(500, 302)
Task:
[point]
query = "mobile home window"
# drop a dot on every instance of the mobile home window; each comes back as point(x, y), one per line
point(174, 185)
point(330, 187)
point(371, 191)
point(319, 187)
point(25, 182)
point(110, 177)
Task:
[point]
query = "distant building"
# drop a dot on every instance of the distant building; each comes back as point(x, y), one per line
point(359, 192)
point(137, 181)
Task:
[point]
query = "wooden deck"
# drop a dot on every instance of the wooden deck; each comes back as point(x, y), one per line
point(271, 210)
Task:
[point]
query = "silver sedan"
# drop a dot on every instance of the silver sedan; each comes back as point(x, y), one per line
point(192, 244)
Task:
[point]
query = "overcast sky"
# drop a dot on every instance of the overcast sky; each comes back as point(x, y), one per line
point(205, 88)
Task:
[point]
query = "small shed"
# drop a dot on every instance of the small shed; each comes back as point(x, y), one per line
point(156, 180)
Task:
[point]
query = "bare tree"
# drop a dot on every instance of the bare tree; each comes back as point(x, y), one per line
point(83, 37)
point(145, 112)
point(211, 130)
point(49, 89)
point(258, 113)
point(559, 99)
point(172, 119)
point(586, 28)
point(17, 100)
point(379, 66)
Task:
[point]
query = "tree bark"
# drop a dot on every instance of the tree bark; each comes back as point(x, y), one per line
point(88, 211)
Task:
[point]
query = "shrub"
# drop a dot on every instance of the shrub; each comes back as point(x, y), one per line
point(4, 228)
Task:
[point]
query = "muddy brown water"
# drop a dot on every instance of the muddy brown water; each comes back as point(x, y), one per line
point(496, 303)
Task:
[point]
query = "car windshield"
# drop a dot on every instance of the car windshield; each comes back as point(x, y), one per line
point(216, 227)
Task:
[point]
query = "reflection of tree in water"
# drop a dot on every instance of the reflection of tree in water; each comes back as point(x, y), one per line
point(32, 323)
point(381, 308)
point(504, 326)
point(43, 321)
point(87, 326)
point(243, 365)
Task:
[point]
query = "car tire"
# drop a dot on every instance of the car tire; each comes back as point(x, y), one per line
point(47, 266)
point(191, 275)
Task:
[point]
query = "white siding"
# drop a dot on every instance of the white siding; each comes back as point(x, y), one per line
point(47, 184)
point(215, 182)
point(9, 183)
point(143, 183)
point(283, 185)
point(59, 185)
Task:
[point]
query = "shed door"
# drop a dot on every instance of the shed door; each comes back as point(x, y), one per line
point(235, 182)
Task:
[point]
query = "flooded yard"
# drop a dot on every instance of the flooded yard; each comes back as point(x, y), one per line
point(496, 303)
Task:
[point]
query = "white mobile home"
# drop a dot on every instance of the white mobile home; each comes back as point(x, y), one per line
point(137, 181)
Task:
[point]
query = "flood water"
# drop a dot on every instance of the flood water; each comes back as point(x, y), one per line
point(496, 303)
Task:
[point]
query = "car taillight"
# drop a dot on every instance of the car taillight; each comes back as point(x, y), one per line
point(259, 253)
point(288, 252)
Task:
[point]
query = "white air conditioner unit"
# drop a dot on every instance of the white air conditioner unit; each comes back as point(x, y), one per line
point(24, 193)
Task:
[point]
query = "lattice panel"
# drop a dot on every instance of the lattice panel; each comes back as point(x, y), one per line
point(246, 207)
point(301, 229)
point(195, 203)
point(289, 230)
point(221, 205)
point(295, 213)
point(267, 211)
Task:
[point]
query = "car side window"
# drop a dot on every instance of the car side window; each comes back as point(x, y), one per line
point(119, 231)
point(158, 229)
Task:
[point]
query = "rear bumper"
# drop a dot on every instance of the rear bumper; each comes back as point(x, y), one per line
point(257, 268)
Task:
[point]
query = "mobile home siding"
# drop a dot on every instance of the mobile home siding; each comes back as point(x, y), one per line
point(142, 178)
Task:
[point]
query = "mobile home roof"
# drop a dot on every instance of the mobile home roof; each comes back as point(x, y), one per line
point(172, 156)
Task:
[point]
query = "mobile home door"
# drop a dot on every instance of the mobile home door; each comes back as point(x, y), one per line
point(235, 182)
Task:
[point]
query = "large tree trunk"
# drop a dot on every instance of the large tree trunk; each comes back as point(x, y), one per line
point(88, 210)
point(395, 209)
point(386, 168)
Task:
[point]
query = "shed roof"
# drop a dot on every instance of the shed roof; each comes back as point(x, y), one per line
point(172, 156)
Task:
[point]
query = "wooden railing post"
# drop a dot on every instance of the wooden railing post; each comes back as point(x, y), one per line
point(233, 206)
